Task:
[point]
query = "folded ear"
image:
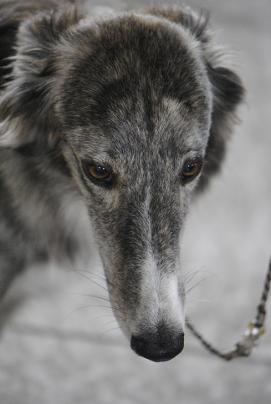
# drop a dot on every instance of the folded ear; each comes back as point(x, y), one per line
point(28, 97)
point(228, 93)
point(227, 88)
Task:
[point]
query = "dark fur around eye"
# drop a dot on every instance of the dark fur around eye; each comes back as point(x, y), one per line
point(100, 174)
point(190, 170)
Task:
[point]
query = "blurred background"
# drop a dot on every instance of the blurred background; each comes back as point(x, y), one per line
point(59, 345)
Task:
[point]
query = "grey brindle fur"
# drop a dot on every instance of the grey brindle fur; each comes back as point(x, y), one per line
point(140, 91)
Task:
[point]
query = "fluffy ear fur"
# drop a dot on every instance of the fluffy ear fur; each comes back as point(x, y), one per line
point(27, 96)
point(228, 93)
point(227, 88)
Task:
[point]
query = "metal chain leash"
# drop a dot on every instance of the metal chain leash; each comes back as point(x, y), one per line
point(254, 331)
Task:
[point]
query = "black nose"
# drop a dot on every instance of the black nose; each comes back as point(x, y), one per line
point(158, 348)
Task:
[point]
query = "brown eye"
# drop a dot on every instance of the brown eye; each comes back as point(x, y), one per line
point(98, 173)
point(191, 169)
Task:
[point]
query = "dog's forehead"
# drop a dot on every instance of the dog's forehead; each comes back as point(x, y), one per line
point(165, 136)
point(140, 83)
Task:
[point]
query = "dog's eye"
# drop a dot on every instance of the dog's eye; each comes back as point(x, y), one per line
point(191, 169)
point(98, 173)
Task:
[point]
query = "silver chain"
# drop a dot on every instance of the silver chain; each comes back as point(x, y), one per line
point(254, 331)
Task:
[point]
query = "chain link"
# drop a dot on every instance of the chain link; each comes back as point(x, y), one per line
point(254, 331)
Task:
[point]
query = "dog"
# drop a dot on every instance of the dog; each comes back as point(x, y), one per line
point(125, 115)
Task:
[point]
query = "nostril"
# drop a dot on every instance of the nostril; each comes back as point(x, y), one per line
point(157, 348)
point(181, 341)
point(138, 344)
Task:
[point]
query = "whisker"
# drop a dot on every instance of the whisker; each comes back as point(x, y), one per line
point(106, 299)
point(92, 306)
point(104, 315)
point(200, 300)
point(192, 287)
point(190, 274)
point(110, 330)
point(112, 321)
point(189, 286)
point(189, 279)
point(192, 302)
point(93, 281)
point(110, 307)
point(102, 277)
point(92, 274)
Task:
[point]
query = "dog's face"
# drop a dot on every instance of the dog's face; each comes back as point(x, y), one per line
point(134, 99)
point(137, 131)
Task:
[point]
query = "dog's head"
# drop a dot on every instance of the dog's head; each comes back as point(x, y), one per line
point(143, 106)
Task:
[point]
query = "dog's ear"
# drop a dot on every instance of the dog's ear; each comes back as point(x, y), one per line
point(28, 97)
point(226, 86)
point(228, 93)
